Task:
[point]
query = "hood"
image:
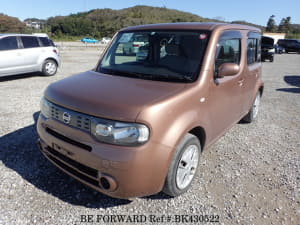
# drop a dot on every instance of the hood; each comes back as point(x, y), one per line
point(108, 96)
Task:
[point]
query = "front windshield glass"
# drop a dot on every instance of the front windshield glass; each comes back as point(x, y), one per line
point(174, 56)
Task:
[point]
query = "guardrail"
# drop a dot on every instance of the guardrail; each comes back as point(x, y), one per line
point(79, 46)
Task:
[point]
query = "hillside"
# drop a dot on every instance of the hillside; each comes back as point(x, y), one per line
point(105, 22)
point(11, 24)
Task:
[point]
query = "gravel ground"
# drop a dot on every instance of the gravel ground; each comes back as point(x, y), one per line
point(250, 176)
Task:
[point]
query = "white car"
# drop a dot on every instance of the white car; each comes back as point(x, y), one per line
point(132, 45)
point(22, 53)
point(105, 40)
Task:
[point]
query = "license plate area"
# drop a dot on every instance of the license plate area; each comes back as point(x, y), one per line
point(62, 150)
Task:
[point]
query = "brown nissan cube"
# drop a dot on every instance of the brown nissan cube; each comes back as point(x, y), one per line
point(137, 123)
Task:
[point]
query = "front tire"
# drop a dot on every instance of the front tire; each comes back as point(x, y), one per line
point(183, 166)
point(49, 67)
point(252, 114)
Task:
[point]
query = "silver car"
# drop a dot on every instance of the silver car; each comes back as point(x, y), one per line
point(22, 53)
point(132, 43)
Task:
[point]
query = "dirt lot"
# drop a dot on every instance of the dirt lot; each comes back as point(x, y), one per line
point(250, 176)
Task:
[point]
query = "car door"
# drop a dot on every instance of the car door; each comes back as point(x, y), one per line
point(226, 93)
point(10, 55)
point(31, 52)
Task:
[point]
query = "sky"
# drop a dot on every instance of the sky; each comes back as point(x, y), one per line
point(254, 11)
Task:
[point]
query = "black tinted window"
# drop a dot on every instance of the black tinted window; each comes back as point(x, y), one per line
point(46, 41)
point(30, 42)
point(253, 50)
point(8, 43)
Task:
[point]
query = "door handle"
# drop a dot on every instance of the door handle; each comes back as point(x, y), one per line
point(241, 82)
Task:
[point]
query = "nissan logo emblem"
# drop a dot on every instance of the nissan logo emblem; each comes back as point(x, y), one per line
point(66, 117)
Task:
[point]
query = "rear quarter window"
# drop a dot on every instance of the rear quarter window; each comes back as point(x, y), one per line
point(46, 41)
point(30, 42)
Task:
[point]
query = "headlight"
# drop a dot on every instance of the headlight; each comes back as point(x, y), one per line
point(45, 108)
point(129, 134)
point(271, 50)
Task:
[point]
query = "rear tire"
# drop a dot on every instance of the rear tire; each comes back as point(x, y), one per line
point(183, 167)
point(49, 67)
point(252, 114)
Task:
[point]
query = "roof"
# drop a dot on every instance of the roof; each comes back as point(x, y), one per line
point(190, 26)
point(11, 34)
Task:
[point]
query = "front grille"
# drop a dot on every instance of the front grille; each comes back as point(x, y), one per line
point(83, 172)
point(68, 140)
point(78, 120)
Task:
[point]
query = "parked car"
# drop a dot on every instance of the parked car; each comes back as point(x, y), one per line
point(89, 40)
point(279, 49)
point(267, 48)
point(132, 43)
point(136, 127)
point(22, 53)
point(142, 53)
point(289, 45)
point(105, 40)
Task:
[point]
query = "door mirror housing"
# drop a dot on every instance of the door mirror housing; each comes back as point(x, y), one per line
point(228, 69)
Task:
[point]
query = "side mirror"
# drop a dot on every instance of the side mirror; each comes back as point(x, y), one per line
point(228, 69)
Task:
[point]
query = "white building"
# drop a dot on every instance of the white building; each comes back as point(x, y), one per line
point(275, 36)
point(34, 24)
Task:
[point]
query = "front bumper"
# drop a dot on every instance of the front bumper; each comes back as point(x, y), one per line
point(117, 171)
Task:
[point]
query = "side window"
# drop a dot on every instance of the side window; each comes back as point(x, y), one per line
point(228, 48)
point(8, 43)
point(46, 41)
point(251, 51)
point(253, 47)
point(30, 42)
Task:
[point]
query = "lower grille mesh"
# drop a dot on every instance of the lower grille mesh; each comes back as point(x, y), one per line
point(64, 162)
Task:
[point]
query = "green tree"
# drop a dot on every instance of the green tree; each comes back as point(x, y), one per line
point(285, 25)
point(271, 25)
point(11, 24)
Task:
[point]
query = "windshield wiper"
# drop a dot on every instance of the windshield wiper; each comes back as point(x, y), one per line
point(174, 77)
point(125, 73)
point(161, 77)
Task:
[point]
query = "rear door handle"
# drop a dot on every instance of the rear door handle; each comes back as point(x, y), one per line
point(241, 82)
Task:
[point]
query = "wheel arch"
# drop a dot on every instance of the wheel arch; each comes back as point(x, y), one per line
point(51, 58)
point(42, 61)
point(200, 133)
point(261, 90)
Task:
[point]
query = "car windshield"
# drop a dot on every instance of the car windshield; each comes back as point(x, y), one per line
point(174, 56)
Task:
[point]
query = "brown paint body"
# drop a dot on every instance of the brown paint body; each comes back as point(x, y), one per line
point(170, 110)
